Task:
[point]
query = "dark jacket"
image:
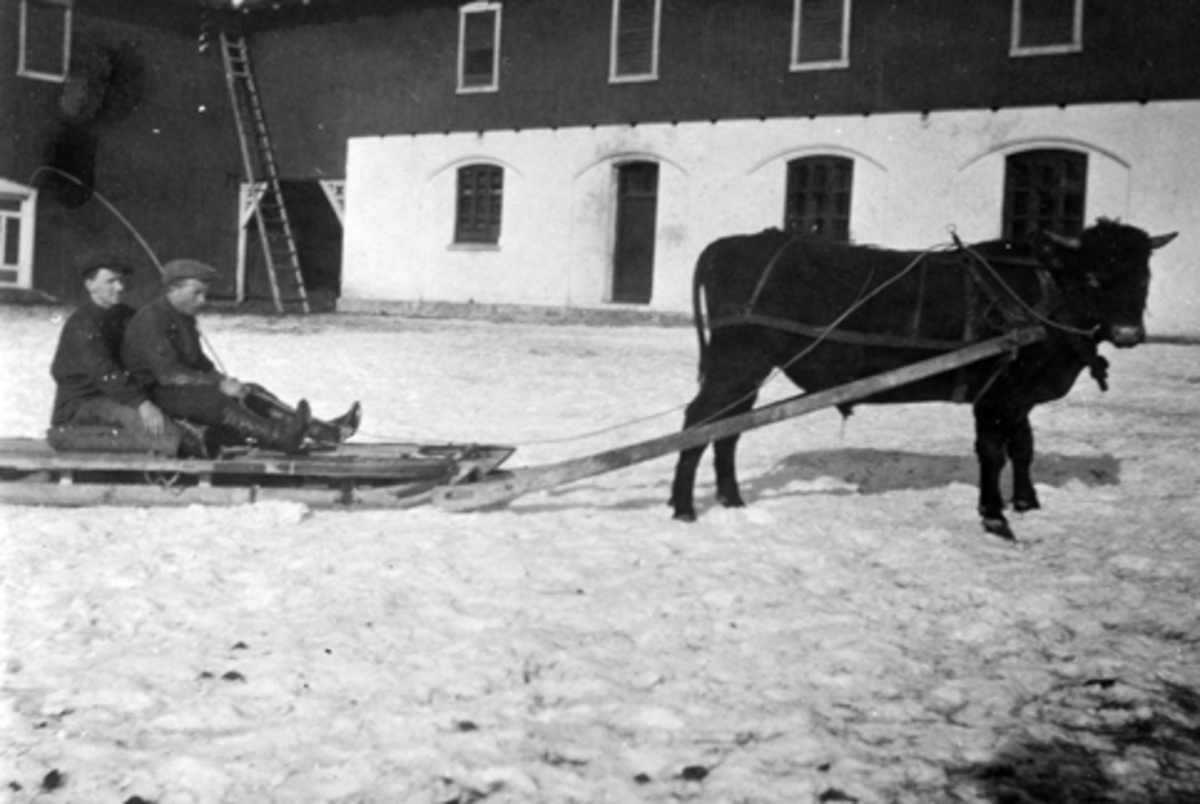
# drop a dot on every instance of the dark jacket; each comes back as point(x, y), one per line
point(162, 347)
point(87, 363)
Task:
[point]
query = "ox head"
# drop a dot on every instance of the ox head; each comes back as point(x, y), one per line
point(1105, 275)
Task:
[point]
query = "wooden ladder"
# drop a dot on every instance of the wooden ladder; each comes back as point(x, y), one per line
point(258, 156)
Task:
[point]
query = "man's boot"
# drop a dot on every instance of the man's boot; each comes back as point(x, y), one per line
point(285, 434)
point(338, 429)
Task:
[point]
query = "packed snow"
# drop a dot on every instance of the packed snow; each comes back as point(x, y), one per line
point(852, 635)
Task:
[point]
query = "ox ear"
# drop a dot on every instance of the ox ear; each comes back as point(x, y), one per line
point(1158, 241)
point(1072, 243)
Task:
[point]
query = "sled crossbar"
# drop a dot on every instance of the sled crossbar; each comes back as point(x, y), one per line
point(502, 487)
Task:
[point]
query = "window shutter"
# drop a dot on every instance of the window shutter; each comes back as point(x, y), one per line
point(821, 25)
point(1046, 23)
point(635, 37)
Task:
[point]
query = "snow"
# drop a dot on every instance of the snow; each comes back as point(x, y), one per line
point(852, 635)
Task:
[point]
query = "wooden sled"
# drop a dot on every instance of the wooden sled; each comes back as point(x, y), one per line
point(348, 476)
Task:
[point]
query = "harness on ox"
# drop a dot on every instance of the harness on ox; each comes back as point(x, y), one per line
point(989, 304)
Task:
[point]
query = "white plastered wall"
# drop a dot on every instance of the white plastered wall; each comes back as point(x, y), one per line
point(915, 177)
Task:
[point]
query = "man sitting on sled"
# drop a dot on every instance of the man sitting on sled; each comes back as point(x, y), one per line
point(92, 387)
point(162, 351)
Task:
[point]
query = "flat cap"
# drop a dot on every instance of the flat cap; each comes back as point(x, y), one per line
point(189, 269)
point(116, 266)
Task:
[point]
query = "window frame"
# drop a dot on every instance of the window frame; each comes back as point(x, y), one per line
point(469, 209)
point(840, 229)
point(25, 215)
point(23, 70)
point(1060, 215)
point(465, 11)
point(1017, 50)
point(615, 77)
point(840, 63)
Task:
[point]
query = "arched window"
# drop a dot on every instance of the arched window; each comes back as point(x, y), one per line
point(1044, 189)
point(480, 197)
point(818, 197)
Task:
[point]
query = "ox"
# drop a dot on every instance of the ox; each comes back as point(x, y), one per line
point(826, 314)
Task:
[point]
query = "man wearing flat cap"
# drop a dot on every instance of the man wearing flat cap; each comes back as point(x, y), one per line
point(163, 352)
point(92, 386)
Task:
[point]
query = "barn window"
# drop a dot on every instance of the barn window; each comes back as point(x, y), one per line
point(45, 39)
point(1041, 27)
point(479, 47)
point(820, 34)
point(1044, 189)
point(480, 196)
point(18, 206)
point(818, 197)
point(634, 47)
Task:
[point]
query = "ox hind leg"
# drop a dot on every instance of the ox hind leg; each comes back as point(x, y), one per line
point(735, 367)
point(1001, 435)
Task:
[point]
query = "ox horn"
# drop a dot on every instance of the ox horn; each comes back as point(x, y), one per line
point(1073, 243)
point(1158, 241)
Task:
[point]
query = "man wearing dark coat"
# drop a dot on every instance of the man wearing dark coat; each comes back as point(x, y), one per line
point(163, 353)
point(92, 386)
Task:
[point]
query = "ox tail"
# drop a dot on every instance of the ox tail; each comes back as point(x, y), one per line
point(699, 277)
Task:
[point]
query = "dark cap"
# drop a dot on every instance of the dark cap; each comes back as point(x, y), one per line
point(116, 266)
point(176, 270)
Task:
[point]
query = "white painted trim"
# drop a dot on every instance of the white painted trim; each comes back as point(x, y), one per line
point(22, 71)
point(463, 13)
point(817, 149)
point(797, 66)
point(1034, 143)
point(27, 215)
point(613, 77)
point(1074, 46)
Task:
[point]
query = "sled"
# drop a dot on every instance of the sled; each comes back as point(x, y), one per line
point(348, 476)
point(499, 488)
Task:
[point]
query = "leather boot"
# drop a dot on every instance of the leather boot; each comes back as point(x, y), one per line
point(336, 430)
point(285, 434)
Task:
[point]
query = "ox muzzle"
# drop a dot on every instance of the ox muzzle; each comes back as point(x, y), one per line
point(1124, 336)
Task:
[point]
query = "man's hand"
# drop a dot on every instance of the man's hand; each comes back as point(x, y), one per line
point(152, 418)
point(231, 387)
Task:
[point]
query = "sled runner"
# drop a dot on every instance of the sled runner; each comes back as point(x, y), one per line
point(348, 476)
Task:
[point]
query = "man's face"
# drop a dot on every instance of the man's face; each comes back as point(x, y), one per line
point(189, 296)
point(106, 287)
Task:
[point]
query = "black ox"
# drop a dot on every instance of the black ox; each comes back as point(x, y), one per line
point(828, 314)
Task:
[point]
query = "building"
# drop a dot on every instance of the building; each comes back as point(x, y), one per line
point(571, 153)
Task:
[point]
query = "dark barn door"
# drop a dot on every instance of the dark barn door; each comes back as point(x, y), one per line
point(637, 210)
point(318, 232)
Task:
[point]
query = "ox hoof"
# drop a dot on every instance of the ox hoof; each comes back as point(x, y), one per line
point(732, 502)
point(998, 526)
point(685, 516)
point(1021, 506)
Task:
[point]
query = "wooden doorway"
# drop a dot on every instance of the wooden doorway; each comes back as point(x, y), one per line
point(637, 213)
point(315, 209)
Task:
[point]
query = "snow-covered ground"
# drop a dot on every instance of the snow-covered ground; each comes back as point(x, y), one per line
point(853, 635)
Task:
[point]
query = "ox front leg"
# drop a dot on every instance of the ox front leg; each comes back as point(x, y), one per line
point(1020, 452)
point(683, 488)
point(991, 438)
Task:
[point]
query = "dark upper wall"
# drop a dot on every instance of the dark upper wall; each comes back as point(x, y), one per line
point(327, 74)
point(162, 149)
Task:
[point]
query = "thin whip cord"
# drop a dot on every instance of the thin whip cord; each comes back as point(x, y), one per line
point(132, 230)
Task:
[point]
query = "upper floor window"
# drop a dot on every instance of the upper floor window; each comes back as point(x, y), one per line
point(479, 47)
point(818, 197)
point(634, 47)
point(1044, 189)
point(480, 197)
point(821, 34)
point(1046, 26)
point(45, 39)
